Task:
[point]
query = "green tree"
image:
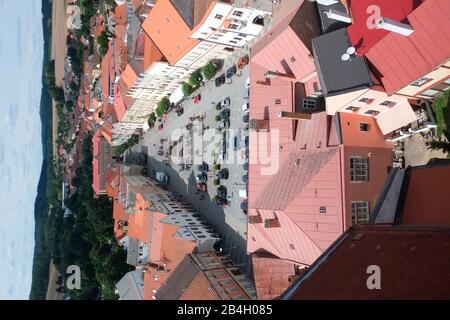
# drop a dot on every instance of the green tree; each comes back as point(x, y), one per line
point(187, 89)
point(151, 120)
point(103, 43)
point(162, 106)
point(441, 144)
point(209, 70)
point(195, 78)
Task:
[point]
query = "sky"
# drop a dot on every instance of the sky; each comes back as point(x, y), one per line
point(21, 56)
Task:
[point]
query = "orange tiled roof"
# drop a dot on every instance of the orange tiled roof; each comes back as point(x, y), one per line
point(151, 52)
point(168, 31)
point(200, 289)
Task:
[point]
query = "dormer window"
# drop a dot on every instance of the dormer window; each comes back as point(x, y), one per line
point(219, 16)
point(238, 13)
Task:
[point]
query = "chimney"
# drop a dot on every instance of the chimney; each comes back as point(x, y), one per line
point(294, 115)
point(394, 26)
point(338, 15)
point(274, 74)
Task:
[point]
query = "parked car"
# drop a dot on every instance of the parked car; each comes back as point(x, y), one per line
point(201, 186)
point(222, 192)
point(244, 205)
point(160, 127)
point(245, 178)
point(235, 143)
point(203, 167)
point(223, 174)
point(224, 124)
point(197, 98)
point(162, 178)
point(226, 102)
point(225, 114)
point(231, 72)
point(243, 194)
point(245, 94)
point(247, 83)
point(243, 61)
point(202, 177)
point(246, 118)
point(245, 107)
point(220, 80)
point(221, 201)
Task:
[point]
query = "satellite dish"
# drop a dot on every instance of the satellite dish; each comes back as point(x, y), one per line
point(345, 57)
point(351, 50)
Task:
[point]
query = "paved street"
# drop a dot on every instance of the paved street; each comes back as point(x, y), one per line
point(231, 221)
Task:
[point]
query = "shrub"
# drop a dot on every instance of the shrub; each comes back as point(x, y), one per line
point(218, 106)
point(216, 182)
point(218, 118)
point(217, 167)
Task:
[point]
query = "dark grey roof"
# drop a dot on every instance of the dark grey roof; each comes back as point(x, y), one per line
point(337, 76)
point(133, 252)
point(185, 9)
point(327, 24)
point(179, 280)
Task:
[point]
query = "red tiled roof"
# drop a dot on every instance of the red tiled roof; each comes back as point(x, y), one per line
point(414, 264)
point(270, 285)
point(425, 196)
point(400, 60)
point(364, 14)
point(96, 171)
point(200, 289)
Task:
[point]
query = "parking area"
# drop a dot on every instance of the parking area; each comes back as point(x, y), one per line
point(198, 121)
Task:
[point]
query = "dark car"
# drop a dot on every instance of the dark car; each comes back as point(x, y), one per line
point(201, 186)
point(231, 72)
point(245, 178)
point(225, 114)
point(222, 192)
point(220, 80)
point(246, 139)
point(246, 118)
point(203, 167)
point(221, 201)
point(244, 206)
point(224, 124)
point(223, 174)
point(202, 177)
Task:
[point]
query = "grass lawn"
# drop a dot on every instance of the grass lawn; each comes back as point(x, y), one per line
point(442, 111)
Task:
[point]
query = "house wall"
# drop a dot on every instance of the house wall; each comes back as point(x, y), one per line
point(438, 75)
point(379, 161)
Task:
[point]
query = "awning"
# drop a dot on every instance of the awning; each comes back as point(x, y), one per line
point(177, 96)
point(396, 117)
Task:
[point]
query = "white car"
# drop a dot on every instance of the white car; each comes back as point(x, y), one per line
point(245, 107)
point(247, 83)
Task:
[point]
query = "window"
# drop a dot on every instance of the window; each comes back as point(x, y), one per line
point(372, 112)
point(291, 246)
point(233, 26)
point(420, 82)
point(219, 16)
point(226, 282)
point(360, 212)
point(278, 101)
point(363, 126)
point(233, 41)
point(366, 100)
point(309, 104)
point(237, 13)
point(359, 169)
point(323, 210)
point(388, 103)
point(352, 108)
point(292, 59)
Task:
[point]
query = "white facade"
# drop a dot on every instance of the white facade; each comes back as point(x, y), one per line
point(231, 26)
